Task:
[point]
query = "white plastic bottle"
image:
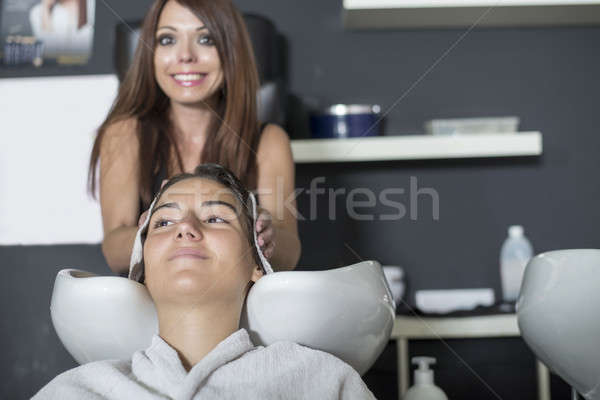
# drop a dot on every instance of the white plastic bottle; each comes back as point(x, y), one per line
point(515, 254)
point(424, 388)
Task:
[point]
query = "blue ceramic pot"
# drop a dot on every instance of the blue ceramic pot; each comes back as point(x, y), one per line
point(345, 121)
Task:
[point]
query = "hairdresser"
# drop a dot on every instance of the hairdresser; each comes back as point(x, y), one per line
point(189, 98)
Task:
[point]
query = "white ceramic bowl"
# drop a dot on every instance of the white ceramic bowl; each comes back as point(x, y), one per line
point(346, 311)
point(101, 317)
point(559, 315)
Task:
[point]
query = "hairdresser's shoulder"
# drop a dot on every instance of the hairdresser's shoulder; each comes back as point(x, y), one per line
point(123, 128)
point(273, 139)
point(94, 380)
point(121, 136)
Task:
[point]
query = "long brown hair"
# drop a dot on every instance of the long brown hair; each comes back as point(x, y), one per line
point(82, 18)
point(232, 137)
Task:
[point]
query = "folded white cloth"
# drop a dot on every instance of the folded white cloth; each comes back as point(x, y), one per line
point(135, 268)
point(449, 300)
point(234, 369)
point(265, 264)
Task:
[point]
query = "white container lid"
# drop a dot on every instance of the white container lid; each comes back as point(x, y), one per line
point(515, 231)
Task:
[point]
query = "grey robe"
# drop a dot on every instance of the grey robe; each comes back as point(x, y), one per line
point(234, 369)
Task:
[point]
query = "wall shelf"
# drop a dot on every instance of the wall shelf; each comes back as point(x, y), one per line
point(410, 14)
point(417, 147)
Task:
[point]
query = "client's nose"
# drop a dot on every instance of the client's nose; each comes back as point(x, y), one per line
point(188, 230)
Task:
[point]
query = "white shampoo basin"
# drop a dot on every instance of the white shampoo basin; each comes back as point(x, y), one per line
point(348, 312)
point(558, 313)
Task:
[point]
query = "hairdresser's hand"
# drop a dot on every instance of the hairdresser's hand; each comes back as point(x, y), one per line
point(48, 4)
point(265, 231)
point(142, 219)
point(145, 213)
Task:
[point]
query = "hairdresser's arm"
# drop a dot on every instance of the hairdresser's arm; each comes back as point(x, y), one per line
point(119, 195)
point(276, 194)
point(46, 10)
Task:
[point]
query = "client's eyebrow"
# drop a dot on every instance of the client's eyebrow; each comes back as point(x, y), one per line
point(166, 205)
point(221, 202)
point(204, 203)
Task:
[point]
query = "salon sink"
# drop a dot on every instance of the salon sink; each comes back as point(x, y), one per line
point(101, 317)
point(558, 313)
point(348, 312)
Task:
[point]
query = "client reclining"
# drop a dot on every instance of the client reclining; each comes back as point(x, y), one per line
point(198, 259)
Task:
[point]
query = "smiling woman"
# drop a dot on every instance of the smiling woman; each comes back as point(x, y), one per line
point(188, 98)
point(180, 38)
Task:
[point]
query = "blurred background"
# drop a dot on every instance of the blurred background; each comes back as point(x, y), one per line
point(547, 76)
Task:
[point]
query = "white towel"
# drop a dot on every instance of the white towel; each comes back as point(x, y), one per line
point(265, 264)
point(234, 369)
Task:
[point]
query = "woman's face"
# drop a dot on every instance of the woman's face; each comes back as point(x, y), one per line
point(186, 62)
point(197, 245)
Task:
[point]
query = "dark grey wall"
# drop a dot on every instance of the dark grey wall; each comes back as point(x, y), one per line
point(32, 354)
point(548, 77)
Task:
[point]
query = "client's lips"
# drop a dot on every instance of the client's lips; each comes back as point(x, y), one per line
point(191, 252)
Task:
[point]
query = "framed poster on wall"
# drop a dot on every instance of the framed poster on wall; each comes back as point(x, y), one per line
point(42, 32)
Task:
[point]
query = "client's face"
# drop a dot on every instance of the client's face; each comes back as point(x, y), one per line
point(197, 246)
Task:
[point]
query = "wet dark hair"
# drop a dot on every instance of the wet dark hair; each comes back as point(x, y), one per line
point(226, 178)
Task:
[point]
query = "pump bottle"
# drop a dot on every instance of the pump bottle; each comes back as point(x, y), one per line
point(424, 388)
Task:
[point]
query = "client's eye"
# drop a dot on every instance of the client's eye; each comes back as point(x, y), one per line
point(162, 222)
point(214, 219)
